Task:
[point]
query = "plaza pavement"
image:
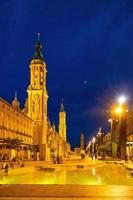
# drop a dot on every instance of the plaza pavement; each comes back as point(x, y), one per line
point(63, 192)
point(67, 163)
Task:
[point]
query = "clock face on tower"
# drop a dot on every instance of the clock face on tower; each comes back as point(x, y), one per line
point(36, 104)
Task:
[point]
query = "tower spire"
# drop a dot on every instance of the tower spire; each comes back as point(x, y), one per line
point(16, 95)
point(62, 106)
point(38, 34)
point(38, 47)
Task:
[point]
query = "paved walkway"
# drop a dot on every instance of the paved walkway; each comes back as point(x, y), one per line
point(63, 192)
point(68, 163)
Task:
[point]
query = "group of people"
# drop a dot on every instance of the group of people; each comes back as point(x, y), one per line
point(13, 163)
point(4, 166)
point(57, 159)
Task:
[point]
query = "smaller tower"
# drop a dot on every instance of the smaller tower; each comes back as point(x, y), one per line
point(15, 102)
point(62, 122)
point(82, 141)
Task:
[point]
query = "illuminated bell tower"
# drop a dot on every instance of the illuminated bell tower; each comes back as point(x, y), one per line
point(37, 99)
point(62, 122)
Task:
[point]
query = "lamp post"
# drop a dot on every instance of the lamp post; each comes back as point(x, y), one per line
point(118, 129)
point(99, 140)
point(93, 146)
point(114, 136)
point(88, 149)
point(100, 136)
point(121, 112)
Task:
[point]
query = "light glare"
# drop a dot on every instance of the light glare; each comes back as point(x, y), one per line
point(110, 120)
point(122, 99)
point(118, 110)
point(93, 139)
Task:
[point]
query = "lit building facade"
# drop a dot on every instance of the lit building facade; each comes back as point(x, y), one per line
point(30, 125)
point(16, 131)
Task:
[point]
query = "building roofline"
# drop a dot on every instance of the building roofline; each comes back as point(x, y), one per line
point(14, 108)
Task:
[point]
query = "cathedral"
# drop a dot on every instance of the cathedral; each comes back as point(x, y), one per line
point(28, 133)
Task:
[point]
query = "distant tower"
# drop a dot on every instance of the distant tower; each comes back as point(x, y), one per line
point(82, 141)
point(15, 102)
point(37, 99)
point(62, 122)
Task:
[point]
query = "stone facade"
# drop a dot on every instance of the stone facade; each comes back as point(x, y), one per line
point(16, 131)
point(30, 125)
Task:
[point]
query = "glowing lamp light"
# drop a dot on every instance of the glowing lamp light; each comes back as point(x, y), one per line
point(118, 110)
point(122, 99)
point(93, 139)
point(110, 120)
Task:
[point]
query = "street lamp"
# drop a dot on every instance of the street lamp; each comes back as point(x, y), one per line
point(88, 149)
point(93, 140)
point(114, 136)
point(93, 147)
point(100, 137)
point(111, 123)
point(121, 111)
point(118, 128)
point(118, 110)
point(110, 120)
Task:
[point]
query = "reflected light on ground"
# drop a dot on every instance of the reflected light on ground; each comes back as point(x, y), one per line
point(98, 175)
point(93, 171)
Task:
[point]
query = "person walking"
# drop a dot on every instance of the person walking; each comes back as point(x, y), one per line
point(6, 167)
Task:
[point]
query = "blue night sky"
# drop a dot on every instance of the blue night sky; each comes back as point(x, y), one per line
point(88, 49)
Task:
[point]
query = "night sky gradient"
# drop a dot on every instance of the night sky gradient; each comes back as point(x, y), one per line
point(88, 49)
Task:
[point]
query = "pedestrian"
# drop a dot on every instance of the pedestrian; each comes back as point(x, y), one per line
point(126, 158)
point(3, 165)
point(58, 159)
point(6, 168)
